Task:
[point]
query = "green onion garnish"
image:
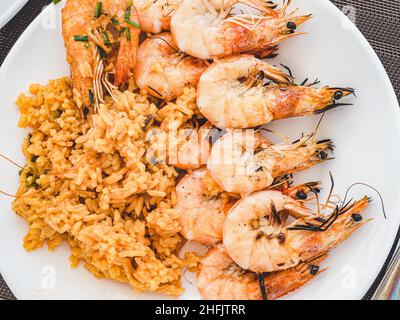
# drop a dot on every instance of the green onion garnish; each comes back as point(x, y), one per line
point(128, 12)
point(114, 21)
point(91, 97)
point(128, 34)
point(97, 10)
point(81, 38)
point(132, 23)
point(56, 1)
point(106, 39)
point(87, 45)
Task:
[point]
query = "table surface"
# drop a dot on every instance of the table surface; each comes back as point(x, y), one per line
point(377, 19)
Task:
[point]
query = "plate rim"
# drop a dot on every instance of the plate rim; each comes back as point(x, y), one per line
point(12, 12)
point(332, 7)
point(396, 241)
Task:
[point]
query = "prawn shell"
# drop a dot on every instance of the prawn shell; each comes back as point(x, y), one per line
point(201, 217)
point(163, 71)
point(219, 278)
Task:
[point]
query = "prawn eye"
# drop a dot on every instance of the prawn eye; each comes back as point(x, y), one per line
point(314, 270)
point(338, 95)
point(322, 155)
point(291, 26)
point(301, 195)
point(356, 217)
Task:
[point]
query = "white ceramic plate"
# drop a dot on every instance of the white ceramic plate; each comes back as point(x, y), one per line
point(8, 9)
point(366, 135)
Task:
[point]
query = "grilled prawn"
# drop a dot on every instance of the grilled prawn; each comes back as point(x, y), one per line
point(155, 16)
point(239, 166)
point(202, 207)
point(220, 278)
point(257, 239)
point(244, 92)
point(208, 29)
point(101, 39)
point(192, 149)
point(163, 70)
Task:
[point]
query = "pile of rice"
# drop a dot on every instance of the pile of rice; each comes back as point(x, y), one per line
point(88, 182)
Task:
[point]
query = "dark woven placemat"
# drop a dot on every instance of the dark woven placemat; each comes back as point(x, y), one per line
point(377, 19)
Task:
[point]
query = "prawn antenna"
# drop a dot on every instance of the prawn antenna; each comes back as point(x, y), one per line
point(325, 223)
point(332, 106)
point(369, 199)
point(159, 94)
point(330, 190)
point(169, 45)
point(261, 282)
point(319, 123)
point(11, 161)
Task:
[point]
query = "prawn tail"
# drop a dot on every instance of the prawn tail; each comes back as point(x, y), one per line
point(125, 64)
point(284, 282)
point(126, 57)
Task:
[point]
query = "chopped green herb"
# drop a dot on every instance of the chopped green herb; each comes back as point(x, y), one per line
point(20, 171)
point(97, 9)
point(114, 21)
point(81, 38)
point(132, 23)
point(128, 34)
point(58, 113)
point(34, 158)
point(31, 183)
point(91, 97)
point(106, 39)
point(102, 52)
point(56, 1)
point(87, 45)
point(128, 12)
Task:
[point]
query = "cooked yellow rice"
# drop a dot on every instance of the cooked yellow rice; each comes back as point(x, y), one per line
point(88, 182)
